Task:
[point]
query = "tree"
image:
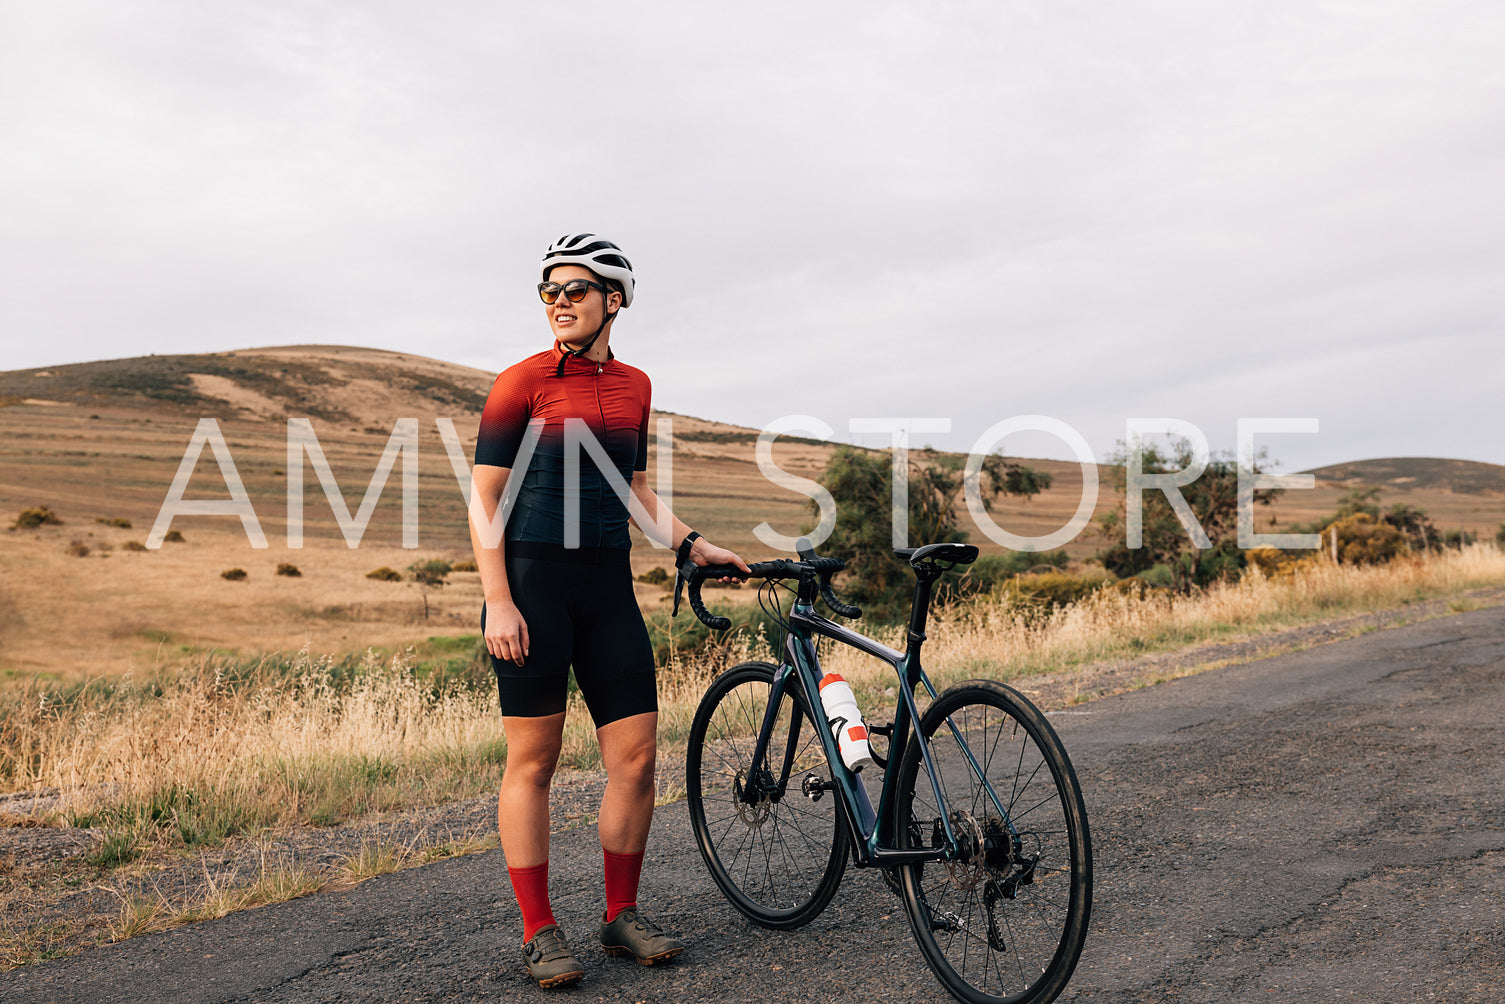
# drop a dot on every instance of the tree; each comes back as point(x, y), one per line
point(1414, 525)
point(861, 482)
point(1359, 499)
point(1213, 499)
point(429, 575)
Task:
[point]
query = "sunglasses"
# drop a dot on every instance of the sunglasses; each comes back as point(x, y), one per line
point(575, 290)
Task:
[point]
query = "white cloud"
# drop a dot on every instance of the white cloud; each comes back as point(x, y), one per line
point(973, 210)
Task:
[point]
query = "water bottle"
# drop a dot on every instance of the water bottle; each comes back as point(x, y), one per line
point(845, 720)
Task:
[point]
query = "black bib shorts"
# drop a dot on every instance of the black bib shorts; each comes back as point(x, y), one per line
point(580, 610)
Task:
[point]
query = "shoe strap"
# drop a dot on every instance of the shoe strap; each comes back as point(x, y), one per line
point(558, 950)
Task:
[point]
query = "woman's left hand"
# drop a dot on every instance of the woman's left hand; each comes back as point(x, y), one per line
point(703, 552)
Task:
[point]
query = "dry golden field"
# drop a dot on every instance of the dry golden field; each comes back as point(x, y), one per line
point(102, 441)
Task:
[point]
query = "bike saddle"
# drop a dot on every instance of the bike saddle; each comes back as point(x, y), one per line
point(960, 554)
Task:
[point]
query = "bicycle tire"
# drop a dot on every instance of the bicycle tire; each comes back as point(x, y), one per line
point(779, 858)
point(1007, 920)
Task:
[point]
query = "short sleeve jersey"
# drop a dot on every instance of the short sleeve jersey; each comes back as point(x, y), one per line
point(611, 401)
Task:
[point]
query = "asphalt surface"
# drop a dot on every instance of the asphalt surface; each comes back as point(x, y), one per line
point(1322, 826)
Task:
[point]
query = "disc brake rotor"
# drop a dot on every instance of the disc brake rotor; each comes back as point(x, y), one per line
point(753, 813)
point(970, 866)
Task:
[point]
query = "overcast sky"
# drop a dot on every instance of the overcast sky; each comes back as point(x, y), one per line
point(849, 210)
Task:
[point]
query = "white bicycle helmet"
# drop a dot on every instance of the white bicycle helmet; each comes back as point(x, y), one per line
point(600, 256)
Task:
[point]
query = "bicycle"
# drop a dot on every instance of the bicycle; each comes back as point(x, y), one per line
point(991, 852)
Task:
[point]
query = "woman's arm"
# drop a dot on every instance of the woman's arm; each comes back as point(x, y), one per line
point(702, 551)
point(506, 631)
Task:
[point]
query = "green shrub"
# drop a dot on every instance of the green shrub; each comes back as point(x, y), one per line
point(134, 545)
point(291, 571)
point(123, 524)
point(119, 846)
point(1158, 575)
point(463, 566)
point(1049, 590)
point(1458, 539)
point(990, 569)
point(385, 574)
point(36, 516)
point(78, 548)
point(1365, 540)
point(234, 574)
point(173, 537)
point(431, 572)
point(1222, 562)
point(1500, 536)
point(658, 576)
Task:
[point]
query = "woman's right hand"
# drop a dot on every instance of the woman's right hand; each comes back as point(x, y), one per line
point(506, 633)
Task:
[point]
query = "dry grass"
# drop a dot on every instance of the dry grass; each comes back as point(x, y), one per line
point(22, 945)
point(142, 912)
point(216, 749)
point(382, 857)
point(192, 756)
point(376, 857)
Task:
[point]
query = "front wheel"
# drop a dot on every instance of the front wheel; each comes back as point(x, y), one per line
point(1005, 918)
point(771, 838)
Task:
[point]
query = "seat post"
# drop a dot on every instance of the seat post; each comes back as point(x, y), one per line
point(925, 576)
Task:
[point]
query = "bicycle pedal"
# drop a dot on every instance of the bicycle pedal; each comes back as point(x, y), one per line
point(814, 787)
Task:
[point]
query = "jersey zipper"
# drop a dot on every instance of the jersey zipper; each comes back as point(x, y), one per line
point(601, 482)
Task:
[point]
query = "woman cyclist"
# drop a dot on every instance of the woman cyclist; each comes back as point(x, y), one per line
point(559, 593)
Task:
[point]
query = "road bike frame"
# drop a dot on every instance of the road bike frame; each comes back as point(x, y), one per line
point(871, 829)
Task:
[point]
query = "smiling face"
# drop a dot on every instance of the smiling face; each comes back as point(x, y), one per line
point(574, 323)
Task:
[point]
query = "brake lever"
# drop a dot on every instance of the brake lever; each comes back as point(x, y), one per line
point(684, 573)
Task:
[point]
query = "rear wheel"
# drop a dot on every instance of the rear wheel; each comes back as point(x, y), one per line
point(771, 838)
point(1005, 918)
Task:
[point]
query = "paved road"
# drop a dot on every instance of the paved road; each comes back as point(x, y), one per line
point(1322, 826)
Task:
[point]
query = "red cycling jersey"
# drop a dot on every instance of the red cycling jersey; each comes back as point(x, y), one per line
point(612, 398)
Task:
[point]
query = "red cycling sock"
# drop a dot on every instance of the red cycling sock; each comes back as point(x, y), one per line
point(532, 888)
point(622, 874)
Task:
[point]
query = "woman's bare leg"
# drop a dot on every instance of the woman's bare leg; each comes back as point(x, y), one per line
point(629, 747)
point(522, 805)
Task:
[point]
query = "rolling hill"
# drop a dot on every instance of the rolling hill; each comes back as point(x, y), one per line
point(1409, 474)
point(99, 443)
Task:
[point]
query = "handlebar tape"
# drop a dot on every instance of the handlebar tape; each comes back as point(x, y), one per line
point(837, 607)
point(713, 621)
point(781, 568)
